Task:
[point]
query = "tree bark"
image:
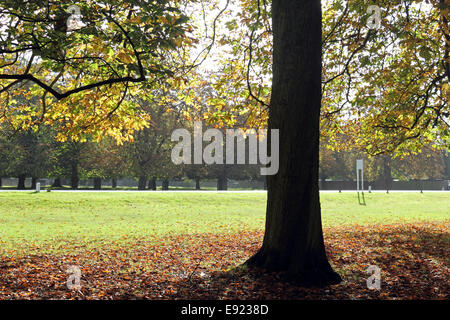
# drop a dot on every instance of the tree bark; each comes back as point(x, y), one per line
point(1, 182)
point(141, 182)
point(21, 182)
point(57, 183)
point(97, 183)
point(165, 184)
point(152, 184)
point(293, 241)
point(113, 183)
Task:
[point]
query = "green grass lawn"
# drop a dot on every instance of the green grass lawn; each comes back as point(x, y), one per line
point(31, 222)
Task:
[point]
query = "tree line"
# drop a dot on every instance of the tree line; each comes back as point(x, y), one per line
point(37, 154)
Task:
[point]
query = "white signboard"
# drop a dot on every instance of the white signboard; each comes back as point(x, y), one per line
point(359, 164)
point(359, 171)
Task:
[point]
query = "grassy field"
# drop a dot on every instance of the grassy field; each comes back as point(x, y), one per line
point(133, 245)
point(31, 220)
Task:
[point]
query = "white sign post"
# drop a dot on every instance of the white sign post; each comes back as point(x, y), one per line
point(359, 168)
point(38, 187)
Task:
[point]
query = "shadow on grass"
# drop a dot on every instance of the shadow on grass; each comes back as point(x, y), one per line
point(361, 199)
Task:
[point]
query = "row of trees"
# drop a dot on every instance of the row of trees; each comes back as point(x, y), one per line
point(147, 159)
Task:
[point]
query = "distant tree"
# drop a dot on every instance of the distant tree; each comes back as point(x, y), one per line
point(103, 160)
point(148, 155)
point(428, 164)
point(28, 157)
point(196, 172)
point(65, 160)
point(327, 163)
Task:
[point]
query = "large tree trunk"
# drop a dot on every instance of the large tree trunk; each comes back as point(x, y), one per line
point(21, 182)
point(113, 183)
point(57, 183)
point(97, 183)
point(293, 241)
point(141, 182)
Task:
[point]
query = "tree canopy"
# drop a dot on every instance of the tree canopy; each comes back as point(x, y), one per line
point(385, 88)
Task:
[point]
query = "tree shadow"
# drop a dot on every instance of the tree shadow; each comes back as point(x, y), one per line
point(361, 199)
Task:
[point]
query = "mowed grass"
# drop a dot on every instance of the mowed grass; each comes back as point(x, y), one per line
point(46, 222)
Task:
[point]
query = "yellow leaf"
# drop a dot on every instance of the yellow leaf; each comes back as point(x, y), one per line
point(125, 58)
